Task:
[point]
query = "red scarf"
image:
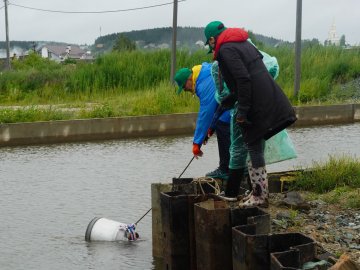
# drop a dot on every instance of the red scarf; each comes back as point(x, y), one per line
point(230, 35)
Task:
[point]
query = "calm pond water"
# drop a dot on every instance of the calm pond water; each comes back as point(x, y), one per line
point(49, 194)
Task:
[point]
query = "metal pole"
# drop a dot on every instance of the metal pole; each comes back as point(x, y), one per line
point(186, 167)
point(298, 48)
point(172, 188)
point(173, 50)
point(7, 36)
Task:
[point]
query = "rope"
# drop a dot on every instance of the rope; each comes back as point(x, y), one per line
point(209, 181)
point(143, 216)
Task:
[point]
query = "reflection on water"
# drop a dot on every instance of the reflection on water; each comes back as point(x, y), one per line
point(49, 194)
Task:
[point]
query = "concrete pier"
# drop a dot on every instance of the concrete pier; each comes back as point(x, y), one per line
point(147, 126)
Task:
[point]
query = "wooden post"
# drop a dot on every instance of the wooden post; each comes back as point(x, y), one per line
point(157, 237)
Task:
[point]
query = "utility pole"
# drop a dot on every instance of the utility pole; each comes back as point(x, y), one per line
point(298, 48)
point(7, 36)
point(173, 50)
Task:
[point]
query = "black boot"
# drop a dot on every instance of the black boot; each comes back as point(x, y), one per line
point(233, 184)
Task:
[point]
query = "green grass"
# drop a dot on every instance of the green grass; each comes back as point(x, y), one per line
point(137, 82)
point(322, 70)
point(344, 197)
point(162, 100)
point(336, 181)
point(333, 175)
point(31, 115)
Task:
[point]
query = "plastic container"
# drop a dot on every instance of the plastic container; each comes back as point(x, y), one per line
point(103, 229)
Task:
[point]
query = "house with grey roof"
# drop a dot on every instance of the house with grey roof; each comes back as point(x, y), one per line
point(60, 53)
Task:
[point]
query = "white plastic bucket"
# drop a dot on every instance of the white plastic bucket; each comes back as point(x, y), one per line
point(103, 229)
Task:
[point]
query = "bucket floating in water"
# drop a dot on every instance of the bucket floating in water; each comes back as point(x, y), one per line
point(103, 229)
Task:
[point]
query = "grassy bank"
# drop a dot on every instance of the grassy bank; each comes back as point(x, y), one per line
point(137, 83)
point(113, 103)
point(335, 181)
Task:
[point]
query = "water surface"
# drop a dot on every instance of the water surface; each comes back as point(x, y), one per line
point(50, 193)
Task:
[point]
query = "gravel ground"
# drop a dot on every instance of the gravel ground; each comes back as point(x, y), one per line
point(335, 229)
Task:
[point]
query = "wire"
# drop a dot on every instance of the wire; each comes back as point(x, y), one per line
point(92, 12)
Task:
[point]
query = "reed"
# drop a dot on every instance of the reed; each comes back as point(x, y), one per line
point(323, 69)
point(40, 81)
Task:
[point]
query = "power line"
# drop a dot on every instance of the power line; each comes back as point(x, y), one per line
point(93, 12)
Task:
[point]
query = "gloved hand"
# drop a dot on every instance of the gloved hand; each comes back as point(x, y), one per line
point(210, 132)
point(229, 101)
point(196, 150)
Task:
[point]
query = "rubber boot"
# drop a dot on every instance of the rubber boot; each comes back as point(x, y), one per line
point(233, 184)
point(260, 188)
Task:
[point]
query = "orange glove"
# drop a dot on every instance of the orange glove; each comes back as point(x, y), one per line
point(196, 150)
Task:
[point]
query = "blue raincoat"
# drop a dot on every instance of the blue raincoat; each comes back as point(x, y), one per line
point(205, 90)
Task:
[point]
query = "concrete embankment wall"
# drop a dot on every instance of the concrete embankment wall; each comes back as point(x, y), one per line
point(147, 126)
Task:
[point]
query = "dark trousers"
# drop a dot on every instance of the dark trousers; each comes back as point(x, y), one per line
point(256, 153)
point(223, 138)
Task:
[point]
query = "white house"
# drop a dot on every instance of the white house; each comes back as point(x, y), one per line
point(60, 53)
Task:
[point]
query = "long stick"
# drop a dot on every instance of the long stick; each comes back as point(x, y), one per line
point(186, 167)
point(178, 177)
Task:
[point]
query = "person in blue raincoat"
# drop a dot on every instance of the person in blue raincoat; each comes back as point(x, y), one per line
point(198, 80)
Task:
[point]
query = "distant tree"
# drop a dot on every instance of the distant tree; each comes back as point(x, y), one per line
point(342, 40)
point(124, 44)
point(255, 40)
point(187, 37)
point(307, 43)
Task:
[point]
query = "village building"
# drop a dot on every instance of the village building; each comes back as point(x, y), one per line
point(333, 38)
point(60, 53)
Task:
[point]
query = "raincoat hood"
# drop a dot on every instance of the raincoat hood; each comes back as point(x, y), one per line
point(230, 35)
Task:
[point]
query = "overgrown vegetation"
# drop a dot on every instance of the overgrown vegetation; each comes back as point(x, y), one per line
point(137, 82)
point(324, 69)
point(334, 173)
point(335, 181)
point(159, 100)
point(124, 44)
point(32, 114)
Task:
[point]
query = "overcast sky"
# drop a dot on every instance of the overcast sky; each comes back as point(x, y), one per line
point(274, 18)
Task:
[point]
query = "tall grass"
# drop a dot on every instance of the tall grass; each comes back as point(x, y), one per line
point(36, 80)
point(115, 103)
point(337, 172)
point(136, 70)
point(160, 100)
point(322, 70)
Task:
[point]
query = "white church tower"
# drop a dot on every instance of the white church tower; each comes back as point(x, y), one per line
point(333, 38)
